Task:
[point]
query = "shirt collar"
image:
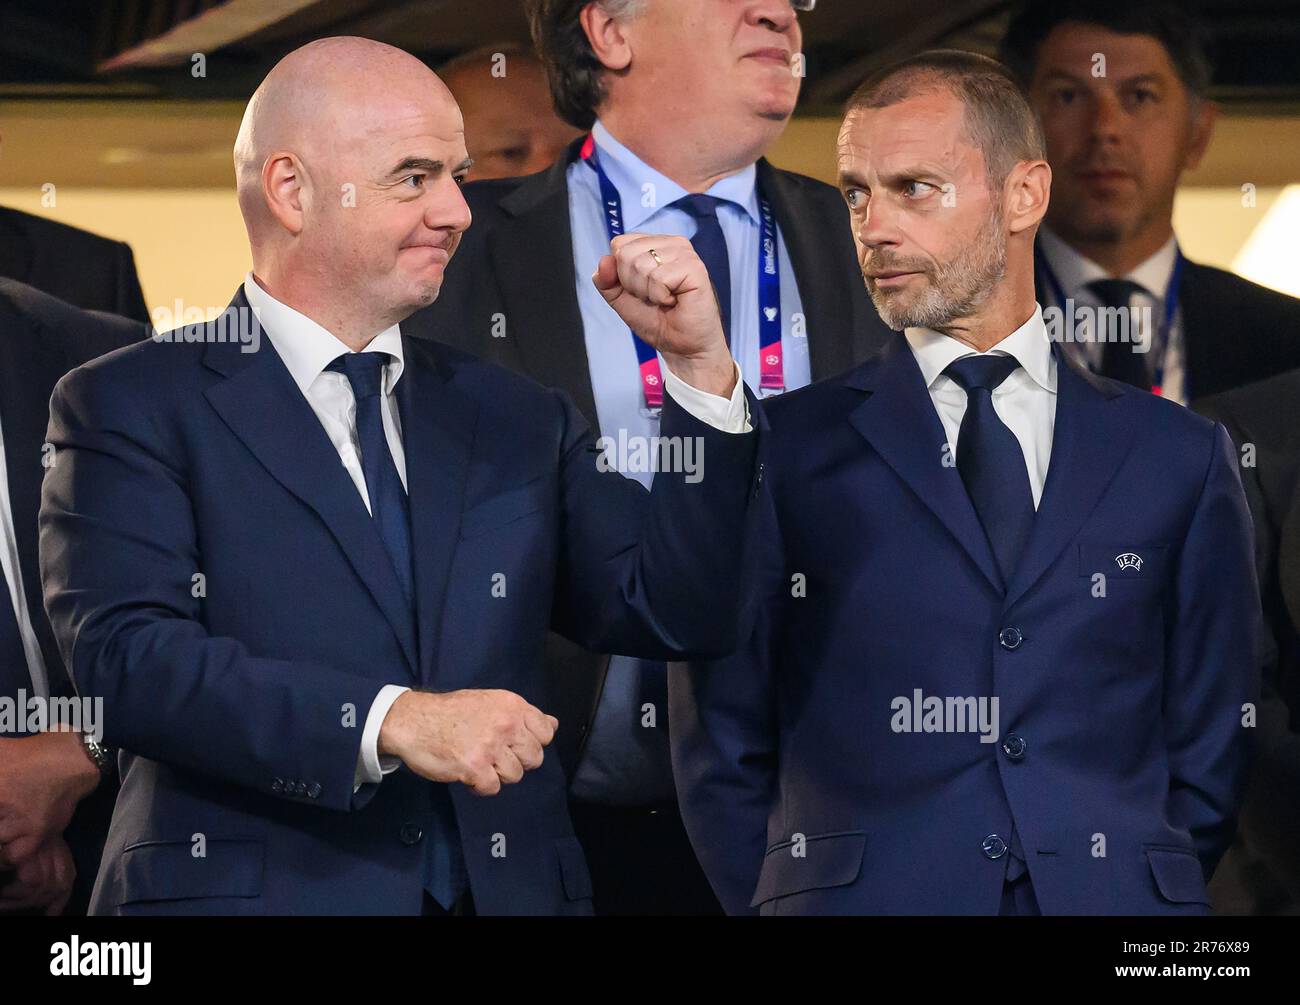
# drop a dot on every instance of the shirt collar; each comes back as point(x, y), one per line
point(1074, 271)
point(1029, 344)
point(630, 174)
point(306, 348)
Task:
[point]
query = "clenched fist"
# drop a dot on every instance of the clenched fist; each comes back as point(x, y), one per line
point(660, 288)
point(481, 738)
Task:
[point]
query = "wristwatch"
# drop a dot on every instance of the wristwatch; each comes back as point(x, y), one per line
point(97, 752)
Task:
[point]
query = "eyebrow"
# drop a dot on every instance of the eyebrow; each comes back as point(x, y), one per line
point(425, 164)
point(1139, 78)
point(928, 175)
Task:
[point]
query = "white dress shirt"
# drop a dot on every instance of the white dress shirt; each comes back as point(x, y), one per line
point(307, 349)
point(13, 581)
point(1074, 272)
point(1025, 401)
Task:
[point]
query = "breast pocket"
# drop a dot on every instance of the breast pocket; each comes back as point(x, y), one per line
point(1124, 561)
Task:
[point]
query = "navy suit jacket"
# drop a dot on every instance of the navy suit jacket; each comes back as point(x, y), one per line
point(1121, 748)
point(238, 699)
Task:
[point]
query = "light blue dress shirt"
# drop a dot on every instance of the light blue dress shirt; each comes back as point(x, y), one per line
point(619, 766)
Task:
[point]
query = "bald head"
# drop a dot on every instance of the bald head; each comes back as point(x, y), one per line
point(347, 165)
point(326, 100)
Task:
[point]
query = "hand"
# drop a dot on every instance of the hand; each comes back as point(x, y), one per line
point(661, 289)
point(42, 778)
point(480, 738)
point(42, 880)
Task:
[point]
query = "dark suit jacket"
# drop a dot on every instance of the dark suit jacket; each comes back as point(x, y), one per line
point(232, 709)
point(1235, 331)
point(82, 268)
point(41, 339)
point(1261, 873)
point(1118, 715)
point(516, 262)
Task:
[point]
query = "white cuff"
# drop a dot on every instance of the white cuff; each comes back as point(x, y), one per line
point(371, 768)
point(731, 415)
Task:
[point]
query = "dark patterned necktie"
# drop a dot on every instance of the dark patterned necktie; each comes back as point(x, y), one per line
point(990, 460)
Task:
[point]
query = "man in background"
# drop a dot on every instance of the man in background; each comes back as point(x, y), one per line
point(1121, 91)
point(681, 98)
point(510, 126)
point(51, 826)
point(1260, 874)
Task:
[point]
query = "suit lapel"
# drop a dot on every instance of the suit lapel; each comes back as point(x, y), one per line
point(264, 408)
point(1090, 440)
point(438, 424)
point(900, 422)
point(827, 306)
point(542, 313)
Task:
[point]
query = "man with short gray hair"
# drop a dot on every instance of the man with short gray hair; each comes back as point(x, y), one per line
point(1002, 659)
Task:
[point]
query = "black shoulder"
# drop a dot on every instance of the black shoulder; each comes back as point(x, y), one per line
point(801, 187)
point(1235, 290)
point(485, 197)
point(1261, 412)
point(52, 233)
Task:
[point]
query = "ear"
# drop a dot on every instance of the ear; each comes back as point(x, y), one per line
point(607, 37)
point(285, 188)
point(1207, 114)
point(1028, 189)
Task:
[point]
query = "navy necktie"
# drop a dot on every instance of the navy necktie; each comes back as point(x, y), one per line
point(444, 866)
point(990, 461)
point(388, 502)
point(711, 245)
point(1118, 360)
point(14, 672)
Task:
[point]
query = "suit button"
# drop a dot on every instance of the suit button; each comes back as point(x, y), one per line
point(277, 785)
point(1014, 746)
point(994, 847)
point(1010, 638)
point(410, 834)
point(313, 790)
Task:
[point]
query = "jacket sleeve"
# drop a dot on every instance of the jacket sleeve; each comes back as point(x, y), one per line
point(656, 576)
point(118, 553)
point(1212, 669)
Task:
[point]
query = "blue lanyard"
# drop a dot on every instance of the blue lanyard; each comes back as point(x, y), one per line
point(771, 359)
point(1160, 343)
